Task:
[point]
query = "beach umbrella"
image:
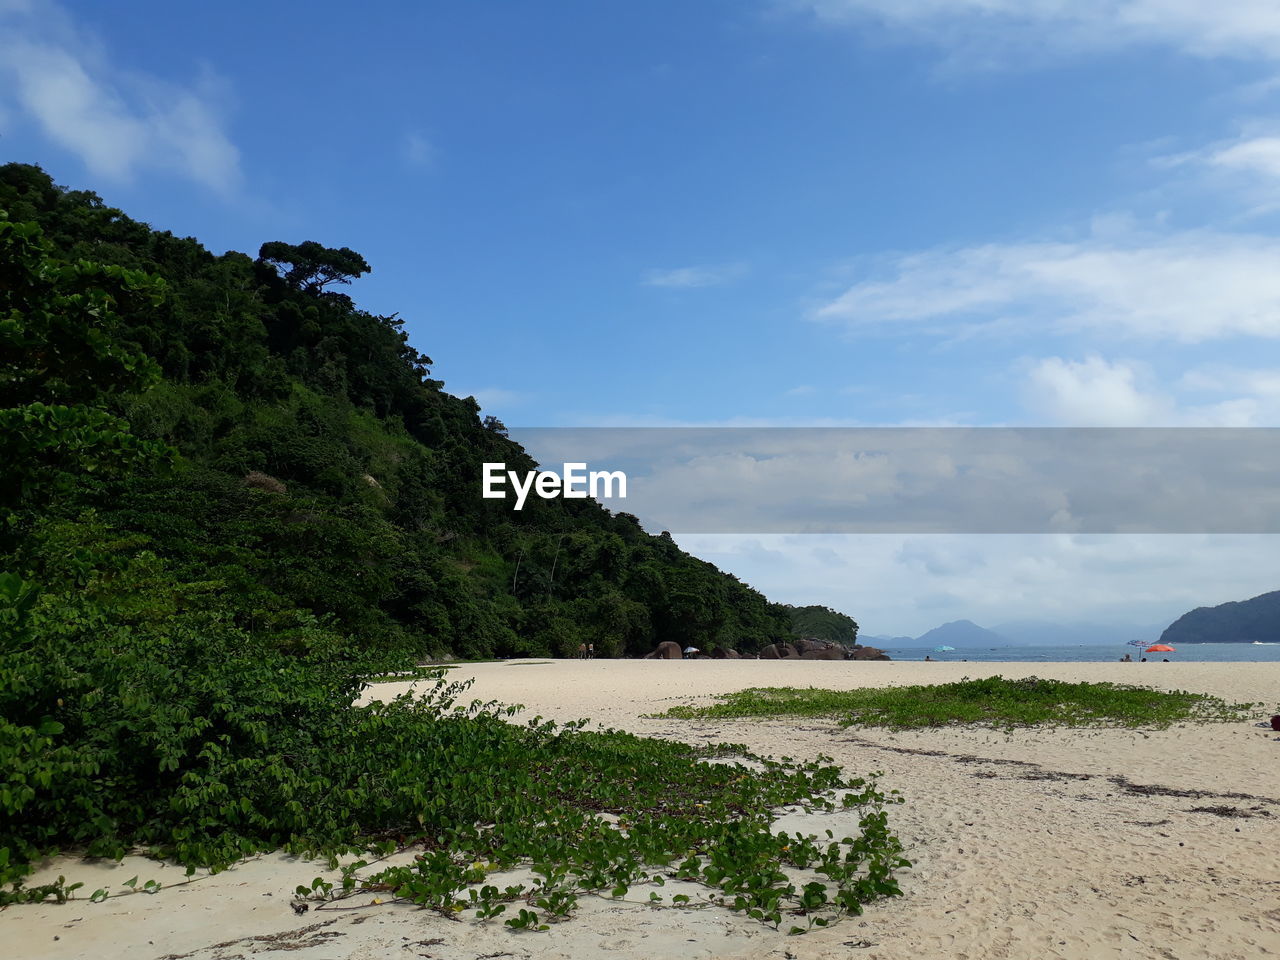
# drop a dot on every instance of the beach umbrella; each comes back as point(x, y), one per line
point(942, 649)
point(1137, 643)
point(1159, 648)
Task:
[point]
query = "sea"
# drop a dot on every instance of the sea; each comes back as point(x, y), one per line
point(1097, 653)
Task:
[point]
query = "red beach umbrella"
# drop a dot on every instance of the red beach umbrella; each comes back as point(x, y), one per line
point(1159, 648)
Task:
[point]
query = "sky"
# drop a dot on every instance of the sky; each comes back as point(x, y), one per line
point(757, 212)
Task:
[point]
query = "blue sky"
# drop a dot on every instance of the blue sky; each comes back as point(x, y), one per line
point(835, 211)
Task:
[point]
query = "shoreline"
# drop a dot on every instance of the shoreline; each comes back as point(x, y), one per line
point(1042, 842)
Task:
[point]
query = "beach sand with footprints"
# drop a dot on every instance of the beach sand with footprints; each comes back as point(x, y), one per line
point(1040, 843)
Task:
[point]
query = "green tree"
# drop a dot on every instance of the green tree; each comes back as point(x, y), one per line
point(310, 267)
point(64, 365)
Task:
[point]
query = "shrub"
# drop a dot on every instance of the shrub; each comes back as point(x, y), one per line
point(159, 724)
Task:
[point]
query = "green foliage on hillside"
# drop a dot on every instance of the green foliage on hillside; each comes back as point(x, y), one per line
point(228, 495)
point(319, 467)
point(823, 623)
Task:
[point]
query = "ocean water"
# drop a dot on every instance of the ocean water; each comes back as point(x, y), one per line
point(1098, 653)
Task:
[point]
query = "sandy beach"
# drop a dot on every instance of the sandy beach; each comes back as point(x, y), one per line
point(1039, 843)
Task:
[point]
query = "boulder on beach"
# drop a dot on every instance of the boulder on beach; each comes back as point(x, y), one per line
point(666, 650)
point(832, 652)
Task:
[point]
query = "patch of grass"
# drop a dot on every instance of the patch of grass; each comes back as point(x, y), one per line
point(992, 701)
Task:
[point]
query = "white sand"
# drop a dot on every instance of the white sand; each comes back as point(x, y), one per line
point(1037, 844)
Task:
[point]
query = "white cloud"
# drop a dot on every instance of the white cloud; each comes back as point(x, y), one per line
point(1188, 287)
point(1247, 167)
point(1098, 393)
point(1253, 395)
point(887, 581)
point(119, 122)
point(1260, 383)
point(690, 277)
point(1248, 29)
point(1094, 393)
point(1260, 155)
point(418, 150)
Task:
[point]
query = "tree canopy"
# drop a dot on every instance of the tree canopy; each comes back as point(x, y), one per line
point(310, 267)
point(824, 623)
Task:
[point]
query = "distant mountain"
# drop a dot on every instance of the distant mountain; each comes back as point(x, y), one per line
point(891, 641)
point(1048, 633)
point(1057, 633)
point(961, 633)
point(1239, 621)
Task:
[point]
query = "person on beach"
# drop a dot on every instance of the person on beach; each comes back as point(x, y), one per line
point(1126, 659)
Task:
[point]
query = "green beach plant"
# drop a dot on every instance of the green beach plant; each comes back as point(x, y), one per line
point(991, 701)
point(198, 743)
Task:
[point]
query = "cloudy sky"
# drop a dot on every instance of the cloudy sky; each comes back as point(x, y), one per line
point(884, 212)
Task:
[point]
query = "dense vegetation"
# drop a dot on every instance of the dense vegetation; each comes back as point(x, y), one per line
point(322, 472)
point(1244, 621)
point(823, 623)
point(128, 726)
point(226, 496)
point(992, 701)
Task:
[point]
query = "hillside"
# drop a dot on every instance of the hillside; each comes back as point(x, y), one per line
point(1238, 621)
point(229, 498)
point(823, 623)
point(321, 474)
point(883, 640)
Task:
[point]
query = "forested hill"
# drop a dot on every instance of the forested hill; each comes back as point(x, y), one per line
point(322, 478)
point(1242, 621)
point(824, 623)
